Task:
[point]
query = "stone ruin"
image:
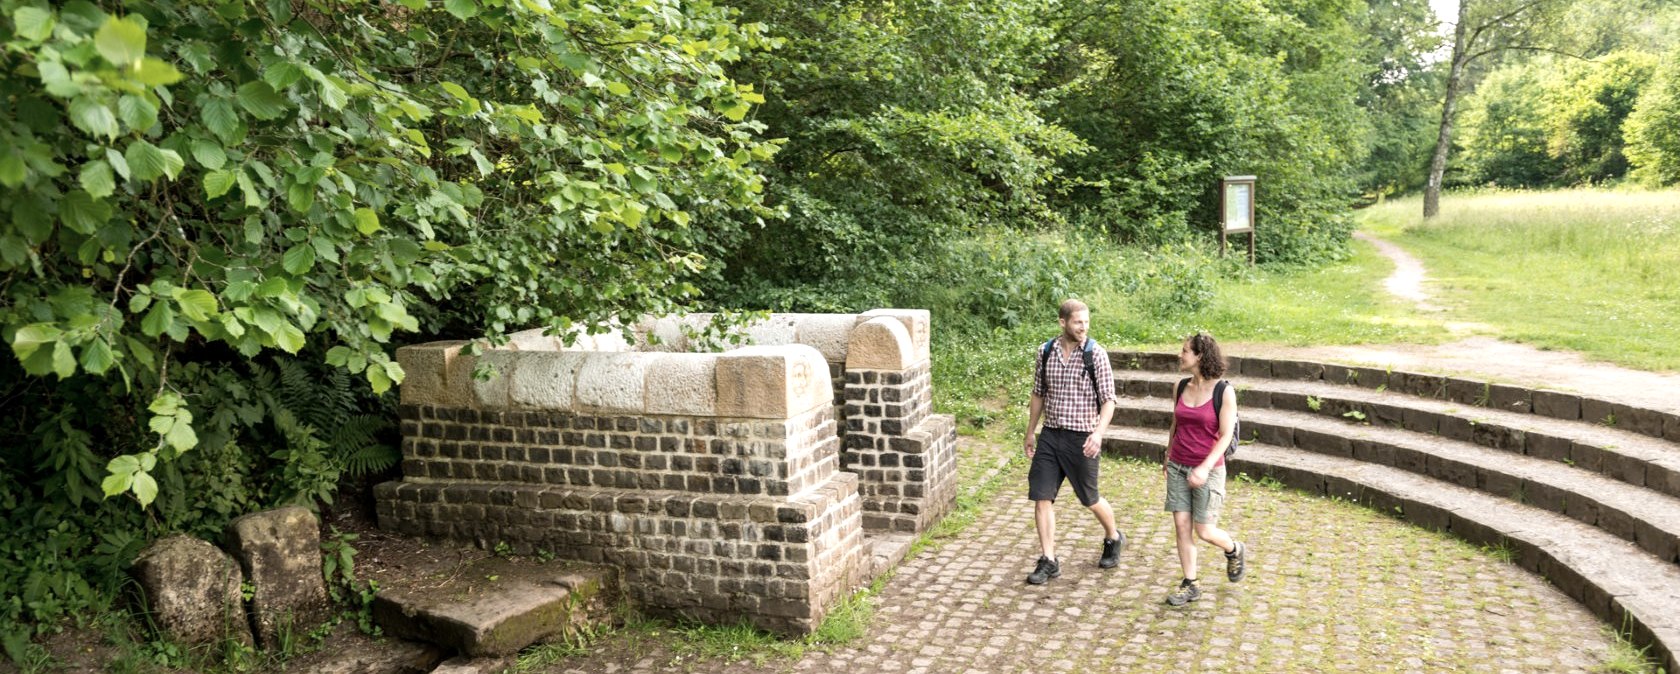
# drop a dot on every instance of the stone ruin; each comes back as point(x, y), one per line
point(724, 486)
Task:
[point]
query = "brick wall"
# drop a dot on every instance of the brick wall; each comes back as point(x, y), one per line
point(904, 456)
point(714, 519)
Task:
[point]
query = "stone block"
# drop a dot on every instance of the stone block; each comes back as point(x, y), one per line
point(1549, 447)
point(1557, 405)
point(827, 333)
point(481, 617)
point(191, 589)
point(426, 368)
point(280, 552)
point(1299, 370)
point(1455, 428)
point(1339, 374)
point(919, 323)
point(385, 656)
point(881, 344)
point(682, 383)
point(611, 341)
point(773, 382)
point(546, 380)
point(612, 382)
point(1640, 420)
point(1599, 412)
point(532, 340)
point(1256, 367)
point(1663, 475)
point(1371, 378)
point(1587, 456)
point(776, 330)
point(1467, 391)
point(1323, 443)
point(661, 334)
point(466, 665)
point(1625, 467)
point(1511, 398)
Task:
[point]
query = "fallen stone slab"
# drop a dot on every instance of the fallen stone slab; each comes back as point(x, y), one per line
point(280, 552)
point(465, 665)
point(191, 590)
point(495, 607)
point(886, 550)
point(385, 656)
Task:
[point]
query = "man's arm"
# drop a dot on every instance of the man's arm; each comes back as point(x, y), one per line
point(1034, 410)
point(1093, 443)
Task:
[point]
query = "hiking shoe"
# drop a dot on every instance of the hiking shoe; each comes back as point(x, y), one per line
point(1188, 591)
point(1046, 570)
point(1236, 563)
point(1111, 551)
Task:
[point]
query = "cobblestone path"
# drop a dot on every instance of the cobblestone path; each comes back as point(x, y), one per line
point(1331, 587)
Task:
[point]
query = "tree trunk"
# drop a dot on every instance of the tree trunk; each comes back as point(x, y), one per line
point(1443, 141)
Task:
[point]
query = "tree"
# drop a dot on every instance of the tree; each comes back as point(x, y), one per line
point(1485, 28)
point(1653, 129)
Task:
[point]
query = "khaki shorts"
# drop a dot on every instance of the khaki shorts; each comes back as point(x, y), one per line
point(1203, 504)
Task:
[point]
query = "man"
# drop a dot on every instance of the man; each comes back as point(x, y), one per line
point(1073, 390)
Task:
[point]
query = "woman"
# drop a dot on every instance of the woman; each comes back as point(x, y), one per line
point(1195, 465)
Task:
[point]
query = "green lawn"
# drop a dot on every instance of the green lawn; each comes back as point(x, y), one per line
point(1588, 270)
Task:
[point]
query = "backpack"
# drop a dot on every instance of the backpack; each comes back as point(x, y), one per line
point(1218, 400)
point(1085, 351)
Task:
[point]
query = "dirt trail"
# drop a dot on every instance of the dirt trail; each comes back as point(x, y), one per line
point(1480, 354)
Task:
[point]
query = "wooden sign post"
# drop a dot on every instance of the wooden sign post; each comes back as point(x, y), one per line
point(1236, 211)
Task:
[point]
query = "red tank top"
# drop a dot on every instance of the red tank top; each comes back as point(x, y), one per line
point(1198, 429)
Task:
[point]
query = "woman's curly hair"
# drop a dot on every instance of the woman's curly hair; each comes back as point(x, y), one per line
point(1211, 363)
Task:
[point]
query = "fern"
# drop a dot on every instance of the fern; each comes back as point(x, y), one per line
point(355, 443)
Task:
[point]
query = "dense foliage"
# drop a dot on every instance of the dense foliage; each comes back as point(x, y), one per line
point(197, 191)
point(1591, 111)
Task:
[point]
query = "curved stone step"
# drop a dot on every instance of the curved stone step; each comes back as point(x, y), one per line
point(1648, 519)
point(1464, 391)
point(1623, 586)
point(1629, 457)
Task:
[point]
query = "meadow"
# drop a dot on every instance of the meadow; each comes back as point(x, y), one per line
point(1590, 270)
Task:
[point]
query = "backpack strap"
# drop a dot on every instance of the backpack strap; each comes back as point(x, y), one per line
point(1218, 396)
point(1044, 359)
point(1179, 392)
point(1088, 351)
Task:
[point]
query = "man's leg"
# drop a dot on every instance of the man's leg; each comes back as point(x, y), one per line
point(1105, 516)
point(1045, 515)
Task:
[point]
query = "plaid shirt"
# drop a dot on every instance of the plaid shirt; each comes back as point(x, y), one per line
point(1068, 402)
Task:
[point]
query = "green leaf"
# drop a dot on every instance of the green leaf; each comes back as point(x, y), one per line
point(63, 362)
point(121, 41)
point(220, 118)
point(138, 113)
point(209, 155)
point(462, 9)
point(33, 23)
point(158, 320)
point(180, 436)
point(289, 338)
point(31, 337)
point(12, 170)
point(149, 162)
point(332, 95)
point(93, 117)
point(300, 196)
point(217, 183)
point(196, 305)
point(367, 221)
point(618, 88)
point(282, 74)
point(96, 178)
point(96, 356)
point(378, 380)
point(116, 483)
point(82, 213)
point(156, 72)
point(261, 100)
point(146, 488)
point(165, 404)
point(299, 259)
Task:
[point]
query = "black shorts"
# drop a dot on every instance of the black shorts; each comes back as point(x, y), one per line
point(1058, 454)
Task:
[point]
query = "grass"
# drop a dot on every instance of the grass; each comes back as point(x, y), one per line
point(1590, 270)
point(1340, 303)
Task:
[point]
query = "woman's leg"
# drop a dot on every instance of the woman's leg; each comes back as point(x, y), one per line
point(1186, 537)
point(1217, 536)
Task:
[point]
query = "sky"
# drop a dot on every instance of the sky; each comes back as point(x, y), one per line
point(1445, 10)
